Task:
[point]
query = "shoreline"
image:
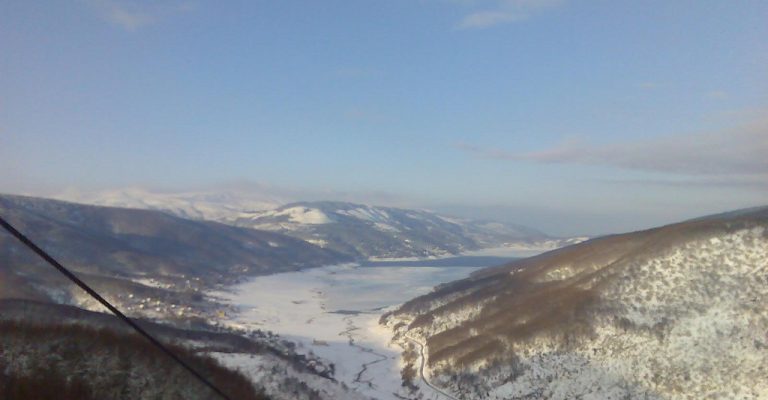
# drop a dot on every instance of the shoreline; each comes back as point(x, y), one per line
point(302, 307)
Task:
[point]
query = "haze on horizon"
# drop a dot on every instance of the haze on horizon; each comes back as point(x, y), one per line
point(571, 117)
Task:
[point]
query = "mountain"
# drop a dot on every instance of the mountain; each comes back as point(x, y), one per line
point(675, 312)
point(357, 230)
point(63, 352)
point(364, 231)
point(148, 253)
point(154, 267)
point(209, 205)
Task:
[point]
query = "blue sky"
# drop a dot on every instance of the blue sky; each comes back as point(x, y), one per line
point(570, 116)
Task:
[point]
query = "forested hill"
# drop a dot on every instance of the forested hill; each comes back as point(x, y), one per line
point(674, 312)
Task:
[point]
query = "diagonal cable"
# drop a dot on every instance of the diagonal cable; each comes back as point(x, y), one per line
point(18, 235)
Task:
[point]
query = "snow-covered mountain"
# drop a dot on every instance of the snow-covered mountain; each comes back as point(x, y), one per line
point(130, 251)
point(365, 231)
point(357, 230)
point(677, 312)
point(153, 266)
point(210, 205)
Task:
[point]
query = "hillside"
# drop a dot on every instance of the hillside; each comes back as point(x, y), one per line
point(357, 230)
point(364, 231)
point(677, 312)
point(209, 205)
point(138, 258)
point(38, 362)
point(87, 355)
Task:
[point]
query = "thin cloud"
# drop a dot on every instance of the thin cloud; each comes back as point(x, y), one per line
point(759, 182)
point(486, 19)
point(132, 15)
point(738, 151)
point(505, 11)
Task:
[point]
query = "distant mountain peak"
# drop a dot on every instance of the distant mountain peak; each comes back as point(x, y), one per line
point(210, 205)
point(358, 230)
point(109, 243)
point(366, 231)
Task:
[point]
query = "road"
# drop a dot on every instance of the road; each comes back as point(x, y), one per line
point(423, 360)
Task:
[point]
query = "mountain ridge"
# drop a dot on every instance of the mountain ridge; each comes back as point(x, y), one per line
point(366, 231)
point(662, 313)
point(362, 231)
point(146, 253)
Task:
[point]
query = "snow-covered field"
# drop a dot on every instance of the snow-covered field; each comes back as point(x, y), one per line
point(333, 312)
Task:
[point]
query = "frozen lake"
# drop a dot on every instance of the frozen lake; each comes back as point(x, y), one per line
point(334, 311)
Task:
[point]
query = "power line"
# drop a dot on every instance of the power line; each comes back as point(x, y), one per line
point(18, 235)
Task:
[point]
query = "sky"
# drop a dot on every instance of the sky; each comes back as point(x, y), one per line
point(569, 116)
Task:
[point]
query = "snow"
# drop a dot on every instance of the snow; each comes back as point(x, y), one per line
point(451, 220)
point(508, 251)
point(683, 321)
point(385, 227)
point(380, 218)
point(275, 376)
point(318, 242)
point(517, 250)
point(305, 215)
point(219, 206)
point(372, 214)
point(333, 312)
point(151, 283)
point(526, 249)
point(409, 259)
point(297, 215)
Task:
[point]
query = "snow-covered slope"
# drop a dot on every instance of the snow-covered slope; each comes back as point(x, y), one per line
point(138, 252)
point(357, 230)
point(210, 205)
point(100, 350)
point(678, 312)
point(365, 231)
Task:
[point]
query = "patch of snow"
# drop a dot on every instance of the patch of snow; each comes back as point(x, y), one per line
point(451, 220)
point(525, 249)
point(385, 227)
point(333, 312)
point(318, 242)
point(219, 206)
point(152, 283)
point(371, 214)
point(276, 376)
point(299, 215)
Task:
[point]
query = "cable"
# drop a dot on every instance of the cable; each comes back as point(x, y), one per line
point(18, 235)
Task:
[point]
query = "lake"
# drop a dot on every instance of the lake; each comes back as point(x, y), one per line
point(334, 311)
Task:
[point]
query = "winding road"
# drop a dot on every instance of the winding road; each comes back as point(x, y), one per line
point(423, 360)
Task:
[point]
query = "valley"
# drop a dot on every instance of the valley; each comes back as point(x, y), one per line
point(647, 314)
point(383, 200)
point(357, 231)
point(333, 313)
point(676, 312)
